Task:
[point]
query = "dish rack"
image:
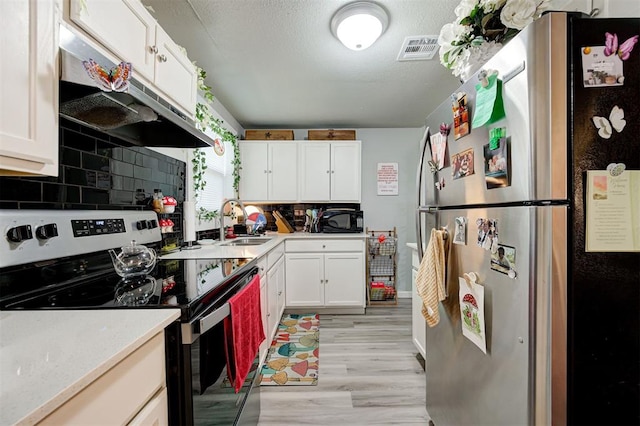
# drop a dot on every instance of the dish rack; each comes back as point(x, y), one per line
point(382, 247)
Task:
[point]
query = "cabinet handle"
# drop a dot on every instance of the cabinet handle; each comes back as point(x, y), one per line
point(332, 171)
point(279, 293)
point(162, 58)
point(266, 171)
point(328, 171)
point(323, 246)
point(153, 49)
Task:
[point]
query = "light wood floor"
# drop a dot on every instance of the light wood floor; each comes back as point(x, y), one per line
point(369, 374)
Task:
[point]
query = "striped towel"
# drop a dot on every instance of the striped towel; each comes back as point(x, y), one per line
point(431, 277)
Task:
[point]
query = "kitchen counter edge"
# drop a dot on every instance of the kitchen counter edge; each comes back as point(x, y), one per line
point(216, 251)
point(48, 356)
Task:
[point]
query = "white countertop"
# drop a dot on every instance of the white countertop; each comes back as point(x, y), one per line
point(48, 356)
point(413, 246)
point(217, 251)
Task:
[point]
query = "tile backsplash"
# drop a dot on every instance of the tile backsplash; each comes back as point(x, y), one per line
point(101, 172)
point(97, 171)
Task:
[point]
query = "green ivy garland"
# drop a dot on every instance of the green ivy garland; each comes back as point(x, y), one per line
point(199, 165)
point(206, 121)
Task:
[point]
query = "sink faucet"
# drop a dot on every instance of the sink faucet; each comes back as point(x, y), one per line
point(224, 203)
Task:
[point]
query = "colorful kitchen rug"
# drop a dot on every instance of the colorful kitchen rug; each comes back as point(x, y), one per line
point(292, 359)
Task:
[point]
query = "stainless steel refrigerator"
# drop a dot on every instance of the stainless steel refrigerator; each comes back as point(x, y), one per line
point(562, 329)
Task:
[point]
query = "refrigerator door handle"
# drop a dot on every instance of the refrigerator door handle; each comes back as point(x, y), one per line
point(419, 211)
point(423, 149)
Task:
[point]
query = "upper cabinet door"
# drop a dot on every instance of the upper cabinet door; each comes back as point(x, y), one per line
point(315, 171)
point(124, 27)
point(29, 87)
point(253, 181)
point(175, 74)
point(345, 171)
point(283, 171)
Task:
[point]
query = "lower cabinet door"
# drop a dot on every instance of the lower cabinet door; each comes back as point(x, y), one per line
point(418, 323)
point(344, 279)
point(304, 279)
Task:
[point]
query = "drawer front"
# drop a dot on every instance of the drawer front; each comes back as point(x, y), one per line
point(154, 413)
point(119, 394)
point(274, 255)
point(324, 245)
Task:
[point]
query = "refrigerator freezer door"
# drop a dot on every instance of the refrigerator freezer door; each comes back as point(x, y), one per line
point(536, 121)
point(464, 385)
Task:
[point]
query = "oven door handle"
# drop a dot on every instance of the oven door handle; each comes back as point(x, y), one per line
point(192, 330)
point(214, 318)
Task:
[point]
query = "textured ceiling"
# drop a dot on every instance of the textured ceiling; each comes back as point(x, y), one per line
point(275, 63)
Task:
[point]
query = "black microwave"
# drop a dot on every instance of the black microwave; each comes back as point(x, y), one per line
point(342, 221)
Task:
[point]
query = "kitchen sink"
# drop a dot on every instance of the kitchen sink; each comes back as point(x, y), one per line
point(246, 242)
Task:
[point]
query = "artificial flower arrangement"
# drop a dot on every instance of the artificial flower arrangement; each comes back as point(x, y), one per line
point(481, 28)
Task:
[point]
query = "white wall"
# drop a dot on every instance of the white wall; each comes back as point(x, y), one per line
point(384, 212)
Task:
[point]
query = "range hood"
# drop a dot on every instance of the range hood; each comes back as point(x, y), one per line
point(139, 116)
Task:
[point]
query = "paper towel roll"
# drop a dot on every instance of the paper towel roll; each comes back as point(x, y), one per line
point(189, 219)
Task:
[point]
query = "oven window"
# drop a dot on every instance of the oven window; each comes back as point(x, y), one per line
point(214, 399)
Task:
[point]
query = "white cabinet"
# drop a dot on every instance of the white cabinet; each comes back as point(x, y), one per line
point(269, 171)
point(330, 171)
point(418, 323)
point(325, 273)
point(264, 307)
point(272, 277)
point(131, 391)
point(130, 32)
point(29, 87)
point(275, 282)
point(154, 413)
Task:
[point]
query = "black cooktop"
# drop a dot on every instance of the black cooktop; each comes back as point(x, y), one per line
point(90, 282)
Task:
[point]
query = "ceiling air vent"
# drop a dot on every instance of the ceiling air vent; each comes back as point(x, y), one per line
point(418, 48)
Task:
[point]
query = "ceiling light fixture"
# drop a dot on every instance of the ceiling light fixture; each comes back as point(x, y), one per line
point(358, 25)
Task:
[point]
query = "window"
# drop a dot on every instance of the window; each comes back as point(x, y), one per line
point(219, 185)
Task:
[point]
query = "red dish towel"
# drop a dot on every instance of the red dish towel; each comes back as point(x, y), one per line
point(243, 332)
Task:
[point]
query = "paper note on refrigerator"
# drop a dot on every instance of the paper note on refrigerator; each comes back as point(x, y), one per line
point(489, 105)
point(612, 205)
point(472, 313)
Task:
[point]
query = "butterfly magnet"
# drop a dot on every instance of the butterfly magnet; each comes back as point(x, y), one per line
point(615, 122)
point(116, 79)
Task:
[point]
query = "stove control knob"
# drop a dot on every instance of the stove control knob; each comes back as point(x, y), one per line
point(141, 224)
point(153, 224)
point(19, 233)
point(47, 231)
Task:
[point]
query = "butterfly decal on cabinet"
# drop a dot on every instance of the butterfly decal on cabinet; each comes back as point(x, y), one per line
point(116, 79)
point(615, 122)
point(623, 50)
